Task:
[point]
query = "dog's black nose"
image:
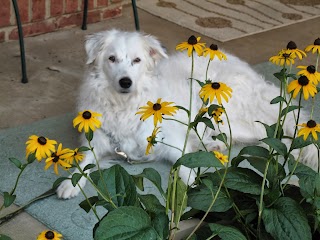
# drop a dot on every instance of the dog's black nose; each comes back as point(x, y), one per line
point(125, 82)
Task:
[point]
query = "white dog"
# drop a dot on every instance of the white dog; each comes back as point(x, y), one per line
point(127, 69)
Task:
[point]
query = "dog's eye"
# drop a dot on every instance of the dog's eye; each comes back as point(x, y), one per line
point(136, 60)
point(112, 58)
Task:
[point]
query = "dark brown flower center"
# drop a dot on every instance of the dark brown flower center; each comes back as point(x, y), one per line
point(311, 69)
point(55, 157)
point(215, 85)
point(291, 45)
point(49, 235)
point(156, 106)
point(286, 55)
point(192, 40)
point(303, 81)
point(42, 140)
point(86, 115)
point(214, 47)
point(311, 124)
point(317, 41)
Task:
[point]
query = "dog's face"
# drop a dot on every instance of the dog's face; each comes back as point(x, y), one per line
point(124, 57)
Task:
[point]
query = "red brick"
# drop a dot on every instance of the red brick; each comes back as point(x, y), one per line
point(102, 3)
point(94, 16)
point(116, 1)
point(69, 20)
point(24, 10)
point(33, 29)
point(2, 37)
point(71, 6)
point(38, 10)
point(111, 13)
point(56, 8)
point(5, 13)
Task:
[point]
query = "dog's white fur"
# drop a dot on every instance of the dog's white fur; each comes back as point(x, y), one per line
point(114, 55)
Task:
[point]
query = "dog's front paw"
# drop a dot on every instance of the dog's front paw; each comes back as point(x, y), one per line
point(66, 190)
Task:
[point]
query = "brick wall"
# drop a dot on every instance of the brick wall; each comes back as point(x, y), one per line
point(42, 16)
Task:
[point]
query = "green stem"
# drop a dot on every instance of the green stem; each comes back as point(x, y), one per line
point(292, 172)
point(169, 145)
point(16, 183)
point(107, 199)
point(211, 205)
point(299, 110)
point(261, 195)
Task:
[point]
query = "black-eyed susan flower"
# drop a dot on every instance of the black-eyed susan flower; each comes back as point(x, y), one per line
point(293, 49)
point(58, 158)
point(77, 156)
point(217, 115)
point(213, 51)
point(315, 47)
point(41, 146)
point(157, 110)
point(302, 83)
point(49, 235)
point(152, 140)
point(222, 158)
point(311, 73)
point(284, 57)
point(215, 90)
point(193, 43)
point(87, 120)
point(310, 127)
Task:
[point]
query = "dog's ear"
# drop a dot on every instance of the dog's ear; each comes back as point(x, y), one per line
point(155, 49)
point(95, 43)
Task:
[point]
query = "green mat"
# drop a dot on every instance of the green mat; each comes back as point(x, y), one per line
point(64, 216)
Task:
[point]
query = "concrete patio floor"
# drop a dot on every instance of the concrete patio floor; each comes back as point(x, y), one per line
point(55, 64)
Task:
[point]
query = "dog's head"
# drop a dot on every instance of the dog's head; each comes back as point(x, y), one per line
point(123, 57)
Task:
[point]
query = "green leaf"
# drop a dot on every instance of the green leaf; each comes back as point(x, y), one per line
point(126, 223)
point(31, 158)
point(277, 100)
point(275, 170)
point(286, 220)
point(256, 151)
point(161, 224)
point(152, 204)
point(184, 109)
point(277, 145)
point(89, 135)
point(289, 109)
point(86, 206)
point(83, 149)
point(75, 178)
point(244, 180)
point(271, 129)
point(16, 162)
point(222, 137)
point(201, 198)
point(8, 199)
point(281, 75)
point(4, 237)
point(226, 233)
point(116, 184)
point(298, 142)
point(204, 120)
point(58, 181)
point(200, 83)
point(212, 108)
point(198, 159)
point(89, 166)
point(153, 176)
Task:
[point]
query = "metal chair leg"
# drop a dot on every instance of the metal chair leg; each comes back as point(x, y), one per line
point(135, 14)
point(21, 42)
point(85, 15)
